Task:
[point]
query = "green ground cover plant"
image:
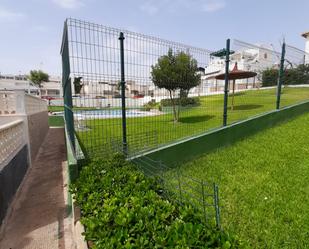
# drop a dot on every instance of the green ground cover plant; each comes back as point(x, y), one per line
point(264, 190)
point(121, 208)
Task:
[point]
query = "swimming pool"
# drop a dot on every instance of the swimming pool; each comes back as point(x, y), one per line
point(97, 114)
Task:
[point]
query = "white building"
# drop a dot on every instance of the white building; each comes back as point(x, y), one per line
point(111, 89)
point(18, 82)
point(306, 36)
point(52, 88)
point(254, 59)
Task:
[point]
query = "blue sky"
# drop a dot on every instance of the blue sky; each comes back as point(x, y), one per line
point(31, 29)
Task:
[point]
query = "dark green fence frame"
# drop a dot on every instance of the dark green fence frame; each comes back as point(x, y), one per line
point(121, 64)
point(67, 88)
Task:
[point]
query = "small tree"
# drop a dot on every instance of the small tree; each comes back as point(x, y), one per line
point(176, 72)
point(38, 76)
point(77, 85)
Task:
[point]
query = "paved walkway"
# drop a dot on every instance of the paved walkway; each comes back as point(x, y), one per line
point(38, 212)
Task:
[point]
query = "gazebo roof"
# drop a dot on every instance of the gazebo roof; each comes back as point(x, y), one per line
point(236, 74)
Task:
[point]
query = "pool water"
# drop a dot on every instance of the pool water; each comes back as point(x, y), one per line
point(96, 114)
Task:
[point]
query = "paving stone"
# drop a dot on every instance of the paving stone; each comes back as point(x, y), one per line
point(36, 220)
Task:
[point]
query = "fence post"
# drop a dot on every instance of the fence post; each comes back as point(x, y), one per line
point(67, 89)
point(204, 201)
point(280, 76)
point(226, 79)
point(123, 96)
point(216, 202)
point(179, 184)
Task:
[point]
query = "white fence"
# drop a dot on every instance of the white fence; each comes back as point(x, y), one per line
point(18, 102)
point(12, 139)
point(16, 109)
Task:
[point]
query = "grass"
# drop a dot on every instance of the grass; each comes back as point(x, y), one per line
point(55, 121)
point(55, 108)
point(193, 120)
point(264, 190)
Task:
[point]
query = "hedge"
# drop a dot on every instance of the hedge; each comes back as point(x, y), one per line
point(182, 101)
point(121, 208)
point(292, 76)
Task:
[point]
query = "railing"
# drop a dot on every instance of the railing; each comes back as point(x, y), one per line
point(18, 102)
point(12, 138)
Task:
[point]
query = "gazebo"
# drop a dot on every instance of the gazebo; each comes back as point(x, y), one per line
point(234, 75)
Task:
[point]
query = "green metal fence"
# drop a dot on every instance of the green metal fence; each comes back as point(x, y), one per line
point(147, 92)
point(296, 76)
point(202, 195)
point(133, 92)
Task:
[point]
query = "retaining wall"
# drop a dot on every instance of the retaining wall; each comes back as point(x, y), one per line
point(10, 178)
point(188, 149)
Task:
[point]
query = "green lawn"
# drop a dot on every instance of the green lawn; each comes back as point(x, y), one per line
point(141, 130)
point(55, 121)
point(56, 108)
point(264, 185)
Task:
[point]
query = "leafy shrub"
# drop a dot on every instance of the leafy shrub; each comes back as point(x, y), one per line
point(121, 208)
point(292, 76)
point(270, 77)
point(152, 104)
point(182, 101)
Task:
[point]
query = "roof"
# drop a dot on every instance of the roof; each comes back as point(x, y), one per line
point(305, 34)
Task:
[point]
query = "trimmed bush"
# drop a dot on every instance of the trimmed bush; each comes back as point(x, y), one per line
point(183, 101)
point(270, 77)
point(151, 105)
point(292, 76)
point(121, 208)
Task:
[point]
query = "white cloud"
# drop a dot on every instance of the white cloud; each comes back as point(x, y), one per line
point(10, 16)
point(152, 7)
point(69, 4)
point(213, 6)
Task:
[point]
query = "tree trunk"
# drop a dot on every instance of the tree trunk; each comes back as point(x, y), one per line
point(233, 95)
point(178, 109)
point(174, 107)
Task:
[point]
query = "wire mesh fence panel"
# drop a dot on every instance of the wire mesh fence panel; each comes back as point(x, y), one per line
point(171, 90)
point(250, 91)
point(94, 64)
point(296, 77)
point(168, 102)
point(202, 195)
point(173, 103)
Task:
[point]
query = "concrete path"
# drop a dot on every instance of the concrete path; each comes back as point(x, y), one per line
point(37, 217)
